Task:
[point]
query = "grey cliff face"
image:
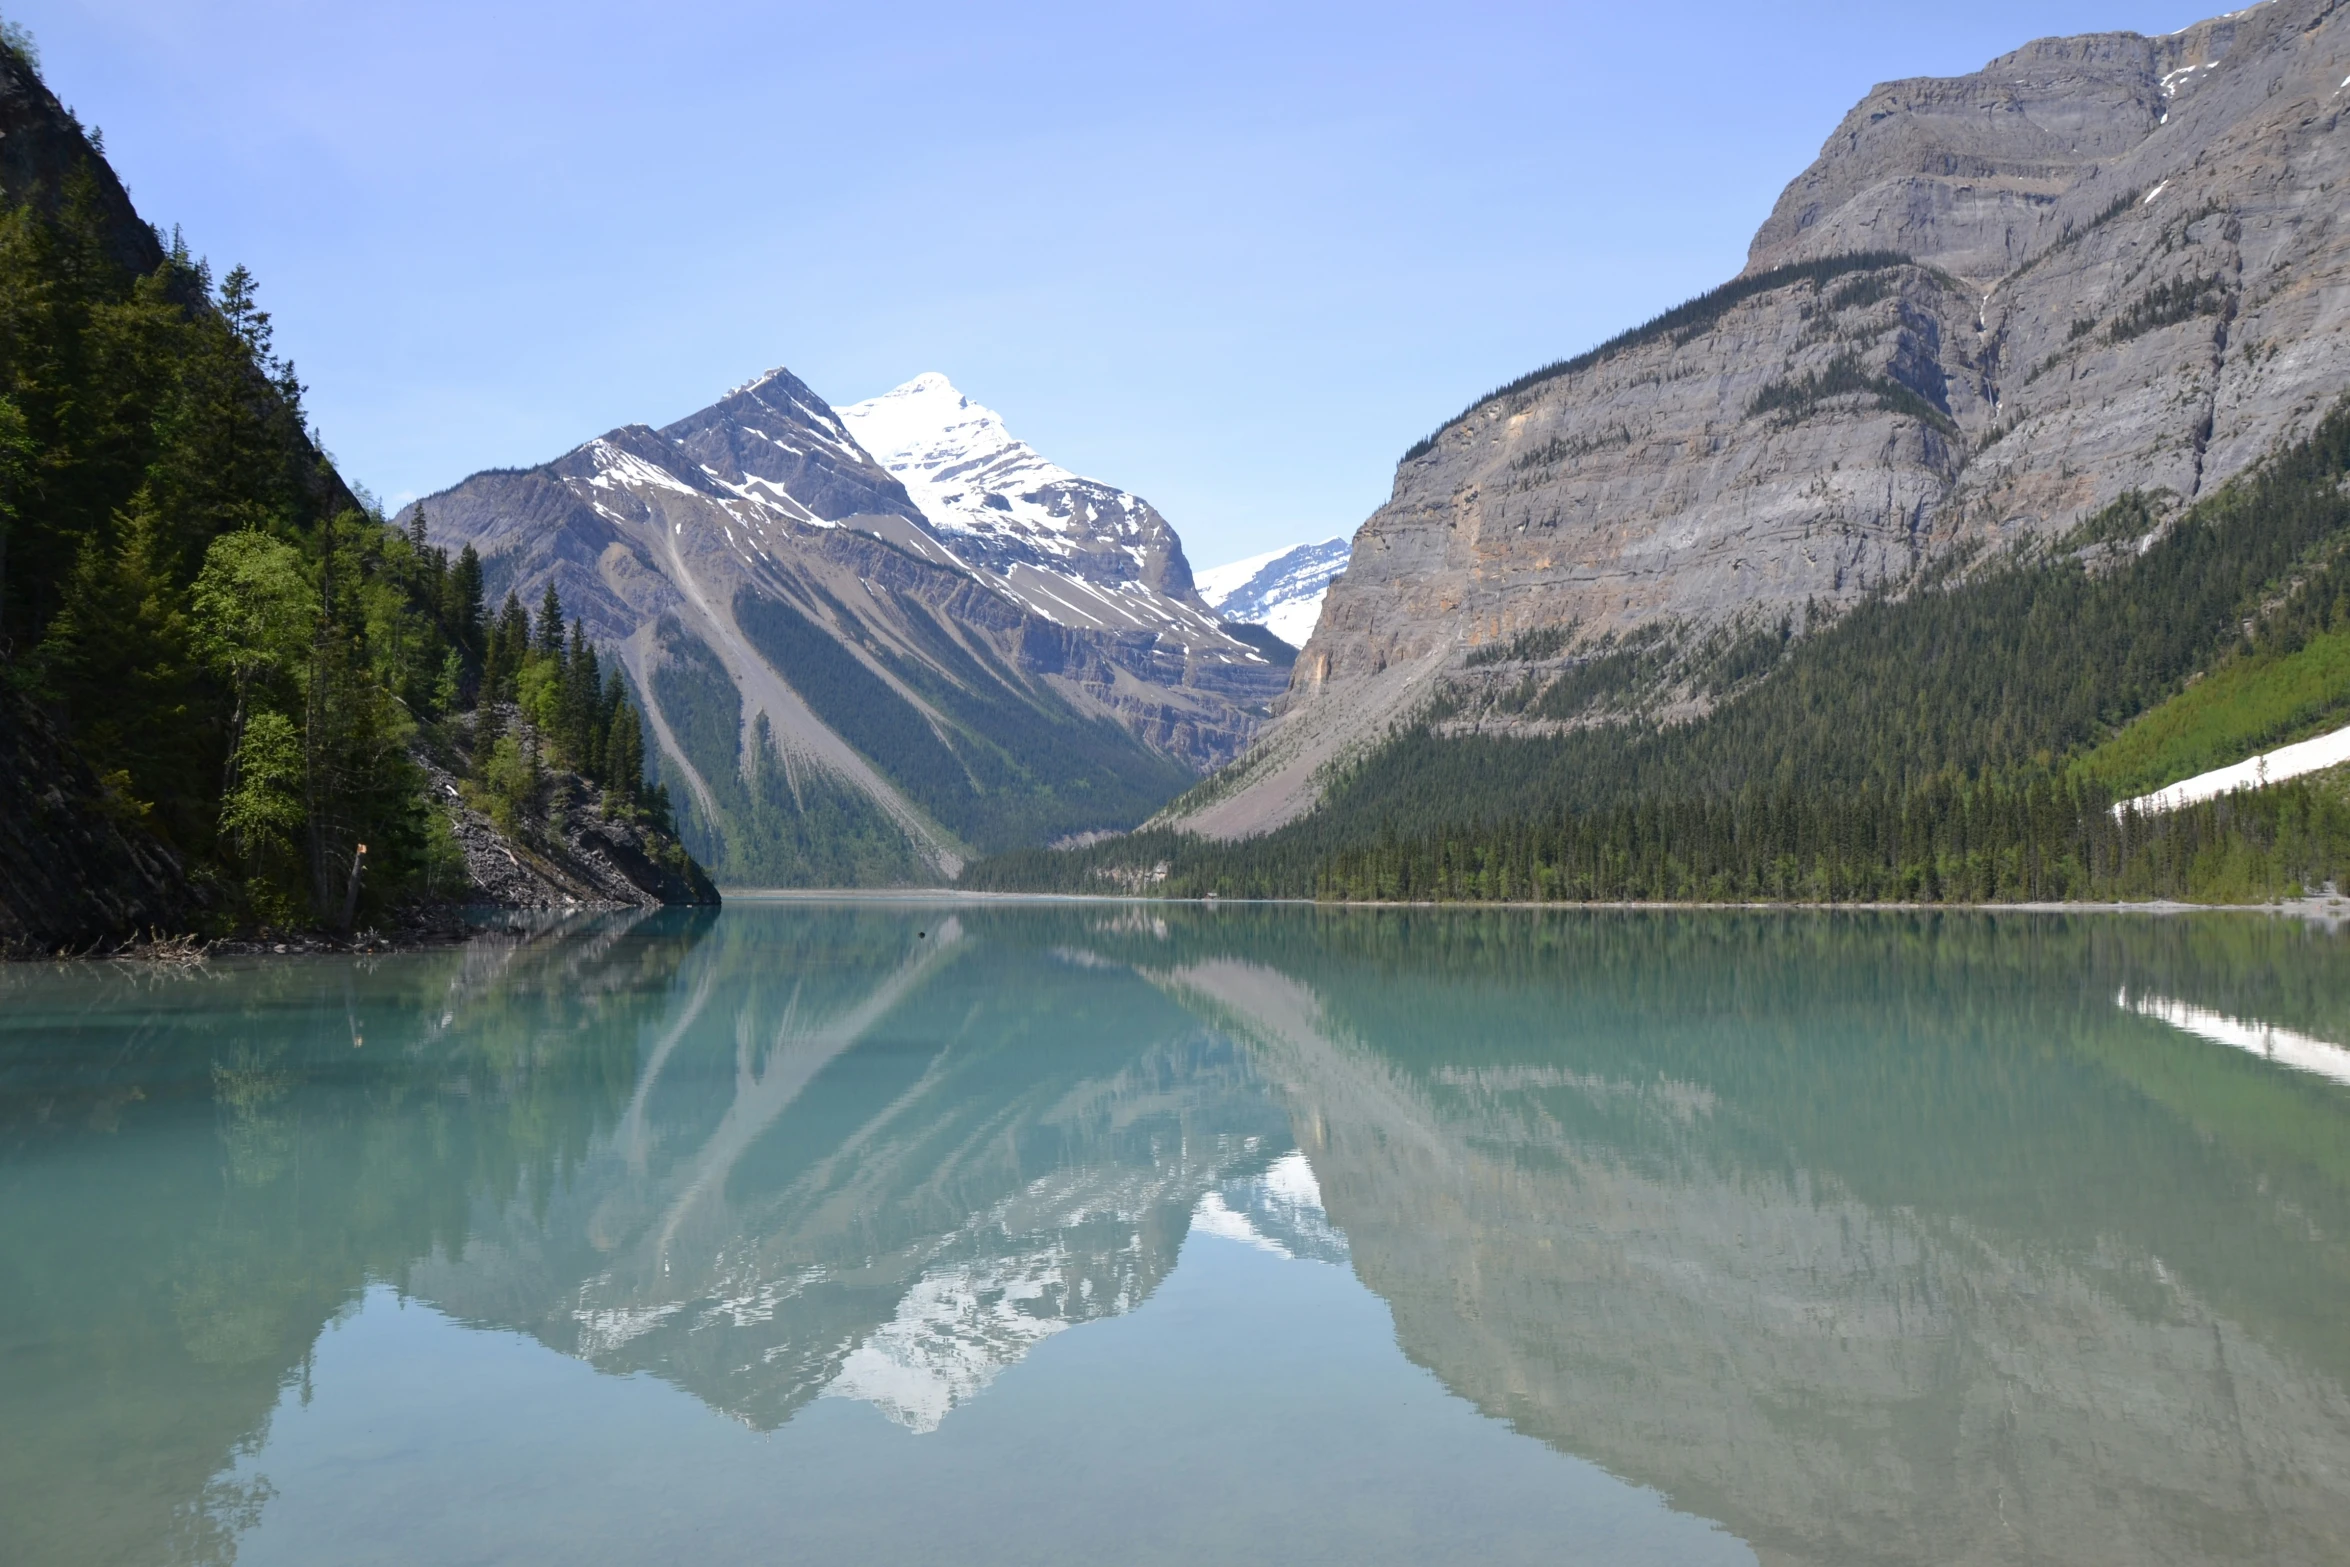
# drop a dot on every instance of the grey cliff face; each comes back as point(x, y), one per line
point(2127, 270)
point(73, 869)
point(1967, 172)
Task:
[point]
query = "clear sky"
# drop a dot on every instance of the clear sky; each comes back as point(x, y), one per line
point(1234, 257)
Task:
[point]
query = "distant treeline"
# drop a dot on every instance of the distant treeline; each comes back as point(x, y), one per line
point(1940, 744)
point(2044, 839)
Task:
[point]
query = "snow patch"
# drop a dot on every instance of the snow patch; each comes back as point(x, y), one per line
point(2185, 73)
point(616, 469)
point(2309, 756)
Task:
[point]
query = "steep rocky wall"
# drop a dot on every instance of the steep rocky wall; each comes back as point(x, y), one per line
point(43, 147)
point(73, 871)
point(2130, 273)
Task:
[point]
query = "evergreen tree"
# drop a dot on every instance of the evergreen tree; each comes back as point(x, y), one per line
point(242, 653)
point(550, 627)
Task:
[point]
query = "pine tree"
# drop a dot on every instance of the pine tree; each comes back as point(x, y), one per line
point(550, 628)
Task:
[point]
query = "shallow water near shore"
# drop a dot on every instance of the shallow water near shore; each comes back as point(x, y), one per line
point(903, 1232)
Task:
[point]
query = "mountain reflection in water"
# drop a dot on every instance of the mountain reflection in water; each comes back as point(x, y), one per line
point(1868, 1238)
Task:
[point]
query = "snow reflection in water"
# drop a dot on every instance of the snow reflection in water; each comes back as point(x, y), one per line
point(2285, 1046)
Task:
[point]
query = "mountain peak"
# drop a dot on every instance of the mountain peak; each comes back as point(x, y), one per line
point(928, 426)
point(929, 384)
point(1005, 508)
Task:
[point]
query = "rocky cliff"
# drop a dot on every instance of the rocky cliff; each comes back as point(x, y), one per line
point(1994, 304)
point(824, 662)
point(573, 850)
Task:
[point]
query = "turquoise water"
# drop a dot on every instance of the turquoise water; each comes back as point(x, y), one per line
point(1082, 1233)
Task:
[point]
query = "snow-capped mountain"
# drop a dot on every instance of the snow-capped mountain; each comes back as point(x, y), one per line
point(840, 690)
point(1281, 590)
point(1074, 550)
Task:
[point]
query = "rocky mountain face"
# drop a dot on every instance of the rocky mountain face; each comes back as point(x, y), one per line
point(73, 868)
point(849, 686)
point(1281, 590)
point(1993, 305)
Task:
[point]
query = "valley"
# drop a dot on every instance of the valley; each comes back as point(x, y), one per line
point(2022, 421)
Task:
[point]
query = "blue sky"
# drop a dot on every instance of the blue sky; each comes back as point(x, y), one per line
point(1233, 257)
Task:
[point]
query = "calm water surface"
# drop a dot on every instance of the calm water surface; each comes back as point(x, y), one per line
point(1063, 1233)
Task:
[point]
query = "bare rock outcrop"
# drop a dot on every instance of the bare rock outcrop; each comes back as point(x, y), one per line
point(577, 857)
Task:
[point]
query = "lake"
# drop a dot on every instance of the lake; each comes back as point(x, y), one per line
point(1042, 1233)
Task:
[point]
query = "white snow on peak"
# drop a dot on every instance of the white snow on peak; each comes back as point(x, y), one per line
point(1281, 590)
point(822, 419)
point(967, 472)
point(1039, 528)
point(755, 382)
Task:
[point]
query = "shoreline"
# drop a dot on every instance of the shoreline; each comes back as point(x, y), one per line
point(2320, 908)
point(154, 948)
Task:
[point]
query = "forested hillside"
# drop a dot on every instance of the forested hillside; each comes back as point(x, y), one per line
point(1962, 739)
point(215, 660)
